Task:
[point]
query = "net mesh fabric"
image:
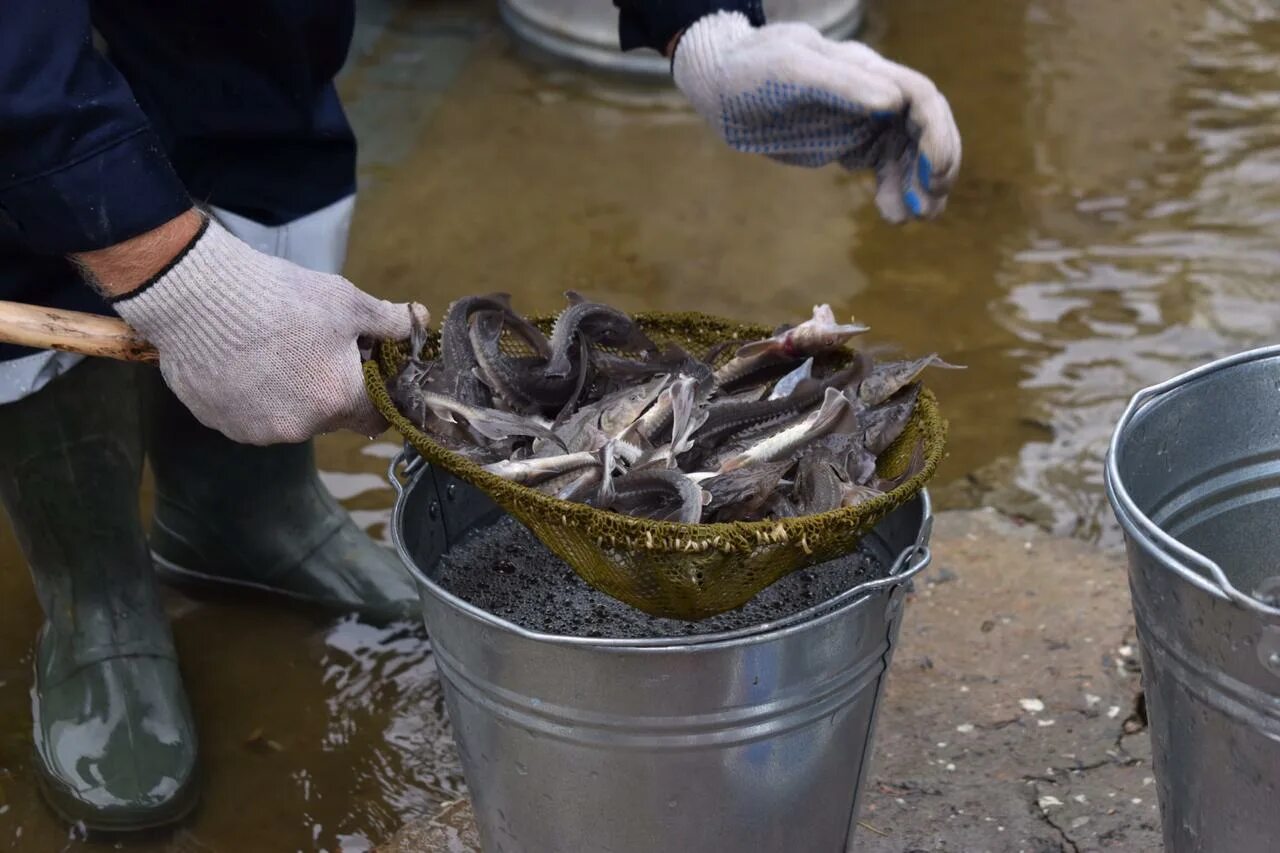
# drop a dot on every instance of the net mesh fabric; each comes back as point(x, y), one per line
point(684, 571)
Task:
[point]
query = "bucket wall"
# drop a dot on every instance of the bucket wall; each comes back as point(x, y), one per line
point(755, 740)
point(1199, 460)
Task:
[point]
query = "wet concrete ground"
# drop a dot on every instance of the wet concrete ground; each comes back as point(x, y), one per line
point(1009, 718)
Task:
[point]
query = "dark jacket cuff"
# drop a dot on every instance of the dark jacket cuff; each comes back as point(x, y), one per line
point(120, 191)
point(653, 23)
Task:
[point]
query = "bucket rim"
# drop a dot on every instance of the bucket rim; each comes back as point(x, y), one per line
point(1188, 563)
point(907, 564)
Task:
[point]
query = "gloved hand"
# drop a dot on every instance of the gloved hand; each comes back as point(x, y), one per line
point(786, 91)
point(259, 348)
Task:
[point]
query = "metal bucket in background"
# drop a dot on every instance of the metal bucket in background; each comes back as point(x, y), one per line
point(756, 739)
point(586, 31)
point(1193, 474)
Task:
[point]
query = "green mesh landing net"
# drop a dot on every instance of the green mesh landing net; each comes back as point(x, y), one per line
point(685, 571)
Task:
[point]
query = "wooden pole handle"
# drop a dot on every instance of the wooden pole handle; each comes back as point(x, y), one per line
point(72, 331)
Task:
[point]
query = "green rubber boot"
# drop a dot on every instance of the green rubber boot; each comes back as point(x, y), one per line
point(114, 737)
point(259, 518)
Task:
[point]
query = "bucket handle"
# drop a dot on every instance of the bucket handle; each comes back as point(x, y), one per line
point(1217, 582)
point(915, 561)
point(403, 466)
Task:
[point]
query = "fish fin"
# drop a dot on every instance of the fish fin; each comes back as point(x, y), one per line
point(852, 495)
point(417, 335)
point(681, 410)
point(443, 413)
point(824, 315)
point(719, 349)
point(606, 492)
point(574, 297)
point(583, 368)
point(834, 405)
point(685, 442)
point(758, 348)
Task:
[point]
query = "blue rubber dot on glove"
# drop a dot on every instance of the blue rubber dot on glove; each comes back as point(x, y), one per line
point(912, 200)
point(924, 171)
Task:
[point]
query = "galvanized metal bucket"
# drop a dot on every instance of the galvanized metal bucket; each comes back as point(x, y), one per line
point(756, 739)
point(1193, 474)
point(586, 31)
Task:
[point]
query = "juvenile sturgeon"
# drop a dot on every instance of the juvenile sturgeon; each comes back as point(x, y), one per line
point(523, 386)
point(620, 411)
point(767, 359)
point(882, 424)
point(729, 419)
point(658, 493)
point(407, 387)
point(457, 357)
point(818, 487)
point(741, 494)
point(672, 360)
point(600, 324)
point(534, 471)
point(835, 409)
point(676, 406)
point(888, 378)
point(661, 416)
point(492, 424)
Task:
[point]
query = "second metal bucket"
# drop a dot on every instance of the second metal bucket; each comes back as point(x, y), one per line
point(1193, 474)
point(755, 740)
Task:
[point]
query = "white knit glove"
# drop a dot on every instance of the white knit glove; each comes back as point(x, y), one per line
point(786, 91)
point(259, 348)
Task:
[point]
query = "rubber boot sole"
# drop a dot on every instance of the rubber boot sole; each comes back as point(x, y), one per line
point(67, 808)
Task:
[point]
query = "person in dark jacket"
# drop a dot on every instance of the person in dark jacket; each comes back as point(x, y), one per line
point(197, 178)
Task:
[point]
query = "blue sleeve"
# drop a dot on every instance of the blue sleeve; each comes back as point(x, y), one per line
point(653, 23)
point(80, 167)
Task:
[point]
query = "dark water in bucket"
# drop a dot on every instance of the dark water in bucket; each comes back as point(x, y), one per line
point(507, 571)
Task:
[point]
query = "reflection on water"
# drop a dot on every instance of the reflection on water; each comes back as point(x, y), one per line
point(315, 735)
point(1158, 254)
point(1117, 220)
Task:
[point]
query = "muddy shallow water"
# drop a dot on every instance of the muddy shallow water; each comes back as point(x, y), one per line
point(1117, 220)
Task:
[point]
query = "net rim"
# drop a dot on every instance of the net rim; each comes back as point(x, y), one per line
point(742, 537)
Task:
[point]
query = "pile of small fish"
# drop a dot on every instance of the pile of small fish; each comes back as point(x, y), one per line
point(600, 414)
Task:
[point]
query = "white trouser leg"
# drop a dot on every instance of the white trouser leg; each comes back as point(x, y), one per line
point(317, 241)
point(22, 377)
